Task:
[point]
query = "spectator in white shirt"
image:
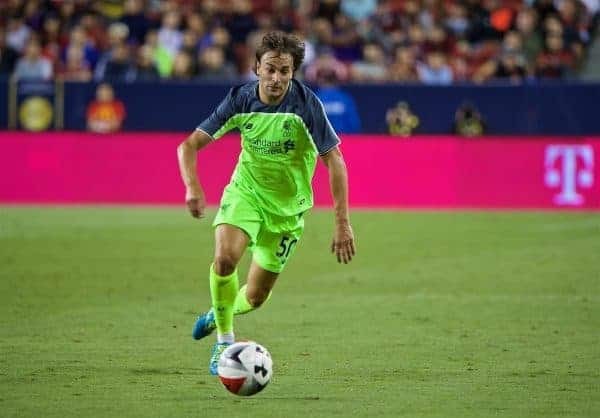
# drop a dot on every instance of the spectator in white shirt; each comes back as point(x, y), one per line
point(435, 70)
point(169, 35)
point(17, 34)
point(33, 66)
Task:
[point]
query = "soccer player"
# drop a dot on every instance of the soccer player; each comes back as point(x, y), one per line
point(283, 128)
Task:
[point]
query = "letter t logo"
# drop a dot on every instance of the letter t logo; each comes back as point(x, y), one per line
point(563, 171)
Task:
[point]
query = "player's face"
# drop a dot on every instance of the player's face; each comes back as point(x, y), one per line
point(274, 72)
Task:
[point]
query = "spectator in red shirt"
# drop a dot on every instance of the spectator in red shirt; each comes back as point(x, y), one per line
point(556, 61)
point(105, 114)
point(76, 68)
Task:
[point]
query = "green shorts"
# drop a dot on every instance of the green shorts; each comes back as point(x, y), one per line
point(273, 238)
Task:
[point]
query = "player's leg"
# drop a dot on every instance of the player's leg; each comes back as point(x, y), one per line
point(251, 296)
point(230, 244)
point(256, 291)
point(270, 256)
point(237, 225)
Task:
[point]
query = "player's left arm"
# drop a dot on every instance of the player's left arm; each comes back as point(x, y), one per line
point(343, 239)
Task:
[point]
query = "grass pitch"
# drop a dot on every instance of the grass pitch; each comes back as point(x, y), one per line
point(440, 315)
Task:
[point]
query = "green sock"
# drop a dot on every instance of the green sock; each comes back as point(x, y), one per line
point(223, 290)
point(241, 304)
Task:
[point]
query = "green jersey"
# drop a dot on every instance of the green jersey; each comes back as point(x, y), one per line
point(280, 144)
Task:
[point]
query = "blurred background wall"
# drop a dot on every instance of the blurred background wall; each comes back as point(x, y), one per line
point(546, 108)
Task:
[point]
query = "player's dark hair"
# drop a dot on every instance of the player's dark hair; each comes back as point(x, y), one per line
point(283, 43)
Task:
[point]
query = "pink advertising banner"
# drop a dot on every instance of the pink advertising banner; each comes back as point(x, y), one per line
point(384, 172)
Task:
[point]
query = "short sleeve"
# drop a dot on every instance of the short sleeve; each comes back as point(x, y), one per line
point(221, 120)
point(320, 128)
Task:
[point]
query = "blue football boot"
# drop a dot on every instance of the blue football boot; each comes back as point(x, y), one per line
point(215, 354)
point(205, 325)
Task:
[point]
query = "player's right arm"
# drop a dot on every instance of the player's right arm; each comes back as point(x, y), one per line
point(187, 155)
point(219, 122)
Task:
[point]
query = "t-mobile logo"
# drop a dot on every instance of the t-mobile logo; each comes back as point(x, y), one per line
point(569, 167)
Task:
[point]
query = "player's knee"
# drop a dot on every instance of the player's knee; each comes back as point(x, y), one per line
point(224, 265)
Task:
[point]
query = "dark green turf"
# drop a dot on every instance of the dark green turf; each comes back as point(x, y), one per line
point(441, 315)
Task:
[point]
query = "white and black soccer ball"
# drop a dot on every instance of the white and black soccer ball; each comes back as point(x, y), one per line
point(245, 368)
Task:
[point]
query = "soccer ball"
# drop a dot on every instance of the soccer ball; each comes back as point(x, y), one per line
point(245, 368)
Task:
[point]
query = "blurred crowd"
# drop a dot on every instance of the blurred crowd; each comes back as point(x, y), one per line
point(427, 41)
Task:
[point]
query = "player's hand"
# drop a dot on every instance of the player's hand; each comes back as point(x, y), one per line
point(343, 243)
point(195, 202)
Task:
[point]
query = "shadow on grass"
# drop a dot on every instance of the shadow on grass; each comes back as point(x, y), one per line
point(155, 371)
point(258, 398)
